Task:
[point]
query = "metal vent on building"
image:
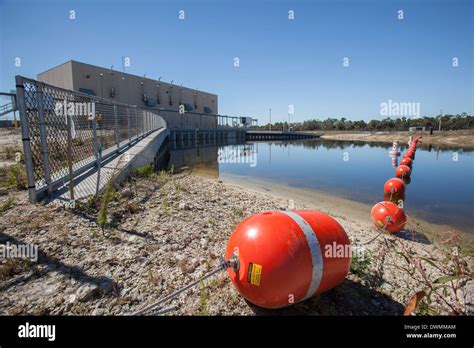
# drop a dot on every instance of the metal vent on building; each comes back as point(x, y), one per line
point(188, 107)
point(150, 102)
point(87, 91)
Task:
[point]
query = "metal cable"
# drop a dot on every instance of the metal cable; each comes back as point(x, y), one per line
point(222, 267)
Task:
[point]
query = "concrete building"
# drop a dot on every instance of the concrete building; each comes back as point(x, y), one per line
point(127, 88)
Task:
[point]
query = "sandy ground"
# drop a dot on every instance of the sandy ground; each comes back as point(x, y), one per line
point(166, 231)
point(10, 143)
point(452, 139)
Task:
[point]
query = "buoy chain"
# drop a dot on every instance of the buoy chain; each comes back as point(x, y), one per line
point(233, 263)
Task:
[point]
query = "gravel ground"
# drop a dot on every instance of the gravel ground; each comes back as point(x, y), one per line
point(165, 231)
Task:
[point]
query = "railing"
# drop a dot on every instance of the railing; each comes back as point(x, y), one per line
point(65, 132)
point(9, 106)
point(194, 120)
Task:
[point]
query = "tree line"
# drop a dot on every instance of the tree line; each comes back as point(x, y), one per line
point(448, 122)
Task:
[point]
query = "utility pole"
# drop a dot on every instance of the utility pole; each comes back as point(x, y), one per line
point(270, 126)
point(440, 117)
point(289, 123)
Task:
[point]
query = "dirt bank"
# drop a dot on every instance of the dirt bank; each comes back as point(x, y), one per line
point(452, 139)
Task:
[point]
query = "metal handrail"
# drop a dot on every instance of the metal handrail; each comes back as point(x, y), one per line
point(10, 106)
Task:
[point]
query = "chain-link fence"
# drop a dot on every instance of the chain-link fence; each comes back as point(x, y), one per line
point(65, 133)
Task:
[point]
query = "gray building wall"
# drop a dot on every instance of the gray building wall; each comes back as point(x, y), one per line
point(60, 76)
point(128, 89)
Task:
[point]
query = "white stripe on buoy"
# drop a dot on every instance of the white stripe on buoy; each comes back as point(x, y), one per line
point(316, 257)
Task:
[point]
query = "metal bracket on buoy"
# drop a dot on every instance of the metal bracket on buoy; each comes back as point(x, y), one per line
point(234, 263)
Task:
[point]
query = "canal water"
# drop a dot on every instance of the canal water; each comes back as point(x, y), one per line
point(441, 189)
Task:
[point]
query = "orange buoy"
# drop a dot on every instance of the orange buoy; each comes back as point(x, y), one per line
point(388, 216)
point(407, 161)
point(402, 171)
point(288, 256)
point(394, 186)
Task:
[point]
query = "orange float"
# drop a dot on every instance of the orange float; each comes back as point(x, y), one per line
point(402, 171)
point(288, 256)
point(394, 186)
point(388, 216)
point(407, 161)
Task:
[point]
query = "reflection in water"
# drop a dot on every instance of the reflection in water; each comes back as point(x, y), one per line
point(394, 198)
point(238, 154)
point(440, 191)
point(395, 153)
point(204, 158)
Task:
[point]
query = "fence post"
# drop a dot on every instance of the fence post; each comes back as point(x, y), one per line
point(25, 134)
point(69, 157)
point(99, 166)
point(117, 139)
point(136, 123)
point(147, 121)
point(43, 138)
point(94, 135)
point(128, 125)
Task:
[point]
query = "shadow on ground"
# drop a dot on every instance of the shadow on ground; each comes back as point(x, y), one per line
point(53, 264)
point(413, 236)
point(348, 298)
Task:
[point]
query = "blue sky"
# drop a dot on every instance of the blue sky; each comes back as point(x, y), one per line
point(282, 62)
